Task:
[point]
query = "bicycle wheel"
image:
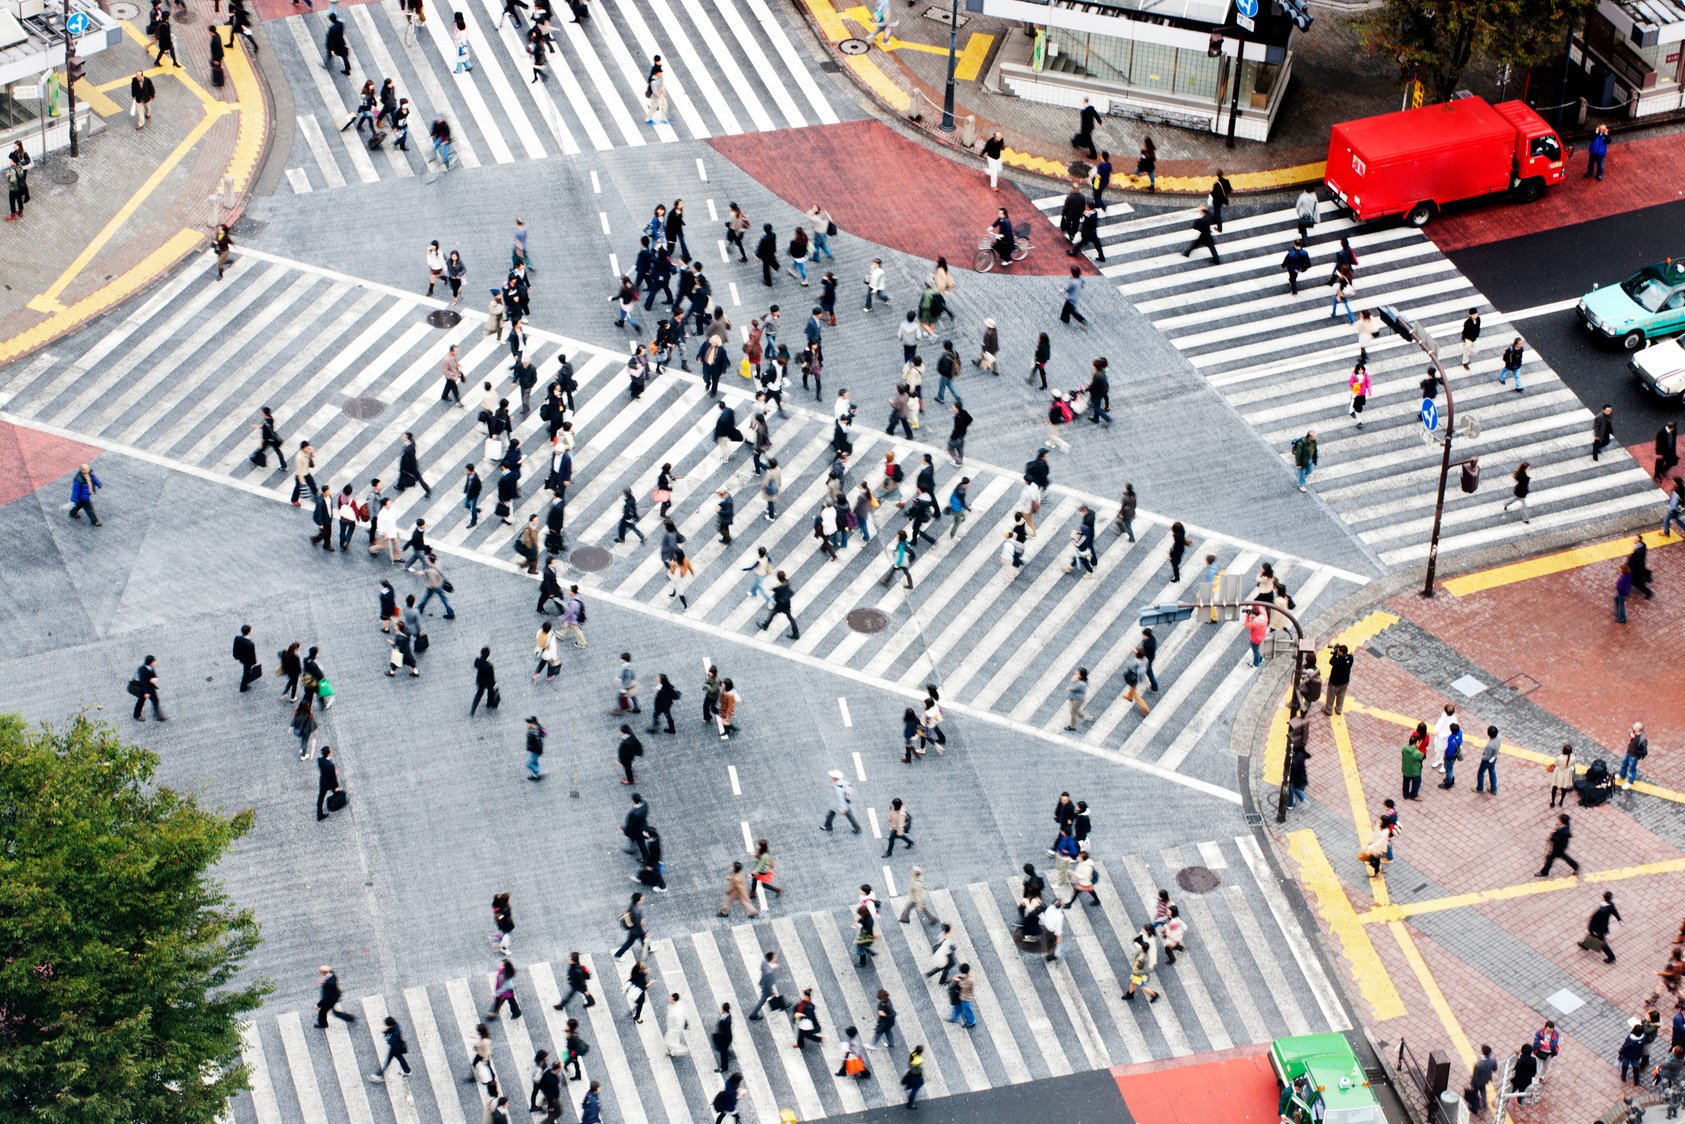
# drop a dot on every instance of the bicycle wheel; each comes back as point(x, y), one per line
point(984, 261)
point(1020, 250)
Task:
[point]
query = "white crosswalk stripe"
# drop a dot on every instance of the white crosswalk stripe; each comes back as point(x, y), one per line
point(1034, 1019)
point(729, 69)
point(1284, 361)
point(994, 638)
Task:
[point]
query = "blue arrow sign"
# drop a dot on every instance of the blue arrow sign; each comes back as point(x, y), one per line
point(1247, 8)
point(76, 23)
point(1430, 414)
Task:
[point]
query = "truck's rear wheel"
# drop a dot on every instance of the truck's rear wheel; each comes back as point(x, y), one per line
point(1419, 215)
point(1529, 190)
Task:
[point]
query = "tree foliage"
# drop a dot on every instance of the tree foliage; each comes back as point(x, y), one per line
point(117, 954)
point(1437, 40)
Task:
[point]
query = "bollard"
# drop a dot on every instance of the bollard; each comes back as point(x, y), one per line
point(968, 131)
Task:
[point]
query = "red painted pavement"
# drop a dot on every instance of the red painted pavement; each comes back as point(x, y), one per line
point(276, 9)
point(1637, 174)
point(881, 187)
point(1644, 452)
point(30, 460)
point(1238, 1087)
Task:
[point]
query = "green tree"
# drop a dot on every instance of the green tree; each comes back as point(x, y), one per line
point(1438, 39)
point(118, 955)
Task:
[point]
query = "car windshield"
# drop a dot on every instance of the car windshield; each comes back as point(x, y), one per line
point(1647, 291)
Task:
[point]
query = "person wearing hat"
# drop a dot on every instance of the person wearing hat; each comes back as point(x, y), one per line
point(842, 802)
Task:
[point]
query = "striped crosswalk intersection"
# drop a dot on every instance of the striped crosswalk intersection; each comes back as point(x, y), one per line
point(729, 68)
point(1248, 975)
point(181, 379)
point(1284, 363)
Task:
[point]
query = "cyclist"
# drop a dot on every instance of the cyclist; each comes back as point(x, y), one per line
point(1004, 240)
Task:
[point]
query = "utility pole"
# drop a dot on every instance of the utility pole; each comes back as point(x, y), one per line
point(953, 48)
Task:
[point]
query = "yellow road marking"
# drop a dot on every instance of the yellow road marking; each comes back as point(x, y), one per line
point(1329, 899)
point(1354, 791)
point(1546, 564)
point(1436, 997)
point(94, 97)
point(1510, 749)
point(1400, 910)
point(969, 64)
point(105, 298)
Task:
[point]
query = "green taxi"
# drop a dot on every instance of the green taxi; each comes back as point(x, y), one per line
point(1333, 1076)
point(1649, 304)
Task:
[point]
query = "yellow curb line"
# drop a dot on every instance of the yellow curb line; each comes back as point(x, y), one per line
point(1354, 790)
point(94, 98)
point(1398, 911)
point(1323, 886)
point(1436, 997)
point(1355, 636)
point(1546, 564)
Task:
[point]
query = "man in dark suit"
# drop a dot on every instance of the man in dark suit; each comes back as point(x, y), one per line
point(637, 820)
point(329, 1000)
point(245, 654)
point(485, 682)
point(327, 781)
point(147, 676)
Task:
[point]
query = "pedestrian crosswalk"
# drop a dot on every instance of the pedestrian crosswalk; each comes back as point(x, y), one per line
point(183, 376)
point(729, 68)
point(1248, 975)
point(1285, 365)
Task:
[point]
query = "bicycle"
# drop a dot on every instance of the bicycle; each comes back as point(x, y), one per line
point(988, 257)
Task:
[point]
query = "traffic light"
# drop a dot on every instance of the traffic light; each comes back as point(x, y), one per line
point(1214, 46)
point(1296, 10)
point(1298, 733)
point(1167, 613)
point(1471, 474)
point(75, 69)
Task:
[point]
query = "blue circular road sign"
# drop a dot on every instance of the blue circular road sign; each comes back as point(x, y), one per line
point(1247, 8)
point(76, 23)
point(1430, 414)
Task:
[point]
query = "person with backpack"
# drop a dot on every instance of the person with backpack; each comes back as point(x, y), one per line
point(1514, 355)
point(1059, 414)
point(1304, 456)
point(1297, 261)
point(1637, 749)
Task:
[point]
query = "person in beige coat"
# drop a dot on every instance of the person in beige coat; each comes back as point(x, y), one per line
point(918, 899)
point(737, 890)
point(1562, 776)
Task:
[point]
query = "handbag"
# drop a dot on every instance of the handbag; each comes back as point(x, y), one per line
point(337, 800)
point(397, 658)
point(494, 449)
point(422, 643)
point(855, 1066)
point(259, 458)
point(136, 689)
point(1592, 943)
point(496, 698)
point(661, 495)
point(324, 689)
point(777, 1002)
point(830, 228)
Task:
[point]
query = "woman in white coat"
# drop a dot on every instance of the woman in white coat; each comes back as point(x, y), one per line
point(678, 1021)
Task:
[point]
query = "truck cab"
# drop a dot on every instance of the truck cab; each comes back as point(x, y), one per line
point(1540, 159)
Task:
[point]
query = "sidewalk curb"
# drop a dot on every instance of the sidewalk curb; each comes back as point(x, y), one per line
point(892, 92)
point(243, 164)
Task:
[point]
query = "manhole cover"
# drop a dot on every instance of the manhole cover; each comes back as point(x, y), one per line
point(590, 559)
point(124, 11)
point(64, 177)
point(1253, 819)
point(868, 620)
point(363, 408)
point(1197, 879)
point(181, 16)
point(444, 318)
point(854, 46)
point(943, 15)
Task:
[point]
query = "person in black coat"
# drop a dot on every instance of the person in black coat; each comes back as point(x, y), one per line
point(146, 675)
point(1038, 471)
point(323, 518)
point(245, 654)
point(629, 750)
point(1070, 213)
point(555, 520)
point(550, 588)
point(409, 467)
point(725, 512)
point(327, 781)
point(485, 683)
point(767, 251)
point(329, 999)
point(508, 491)
point(336, 45)
point(166, 41)
point(634, 825)
point(1639, 563)
point(388, 605)
point(782, 603)
point(665, 696)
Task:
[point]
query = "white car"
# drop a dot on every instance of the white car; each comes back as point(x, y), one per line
point(1661, 368)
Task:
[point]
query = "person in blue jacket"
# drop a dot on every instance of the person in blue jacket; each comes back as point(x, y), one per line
point(1596, 151)
point(82, 488)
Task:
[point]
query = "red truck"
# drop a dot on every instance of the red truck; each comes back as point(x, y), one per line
point(1414, 162)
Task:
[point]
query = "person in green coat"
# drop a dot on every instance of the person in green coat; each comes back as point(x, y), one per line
point(1304, 456)
point(1412, 768)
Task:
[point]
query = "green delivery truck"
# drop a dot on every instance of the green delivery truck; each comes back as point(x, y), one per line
point(1335, 1090)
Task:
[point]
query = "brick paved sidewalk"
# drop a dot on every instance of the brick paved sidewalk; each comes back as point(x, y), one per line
point(142, 200)
point(1459, 943)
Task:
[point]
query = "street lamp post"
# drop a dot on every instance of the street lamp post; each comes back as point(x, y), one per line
point(953, 60)
point(1304, 655)
point(1422, 339)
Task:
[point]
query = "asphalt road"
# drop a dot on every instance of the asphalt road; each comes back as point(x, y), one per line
point(1555, 265)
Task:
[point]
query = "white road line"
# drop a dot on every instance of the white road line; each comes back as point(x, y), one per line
point(602, 216)
point(596, 183)
point(263, 1093)
point(440, 1072)
point(765, 1105)
point(872, 818)
point(1253, 940)
point(311, 131)
point(1210, 1020)
point(1012, 963)
point(467, 1016)
point(750, 45)
point(736, 301)
point(614, 265)
point(794, 958)
point(859, 1006)
point(587, 57)
point(842, 704)
point(397, 1082)
point(859, 767)
point(793, 61)
point(297, 180)
point(695, 65)
point(748, 838)
point(605, 1029)
point(1111, 905)
point(1542, 309)
point(990, 1017)
point(1211, 855)
point(889, 883)
point(310, 1105)
point(678, 93)
point(959, 1039)
point(514, 49)
point(726, 62)
point(397, 161)
point(631, 80)
point(337, 109)
point(470, 91)
point(546, 993)
point(1310, 967)
point(1111, 992)
point(655, 1051)
point(699, 1017)
point(808, 1104)
point(1213, 949)
point(736, 788)
point(1082, 1022)
point(519, 1041)
point(702, 174)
